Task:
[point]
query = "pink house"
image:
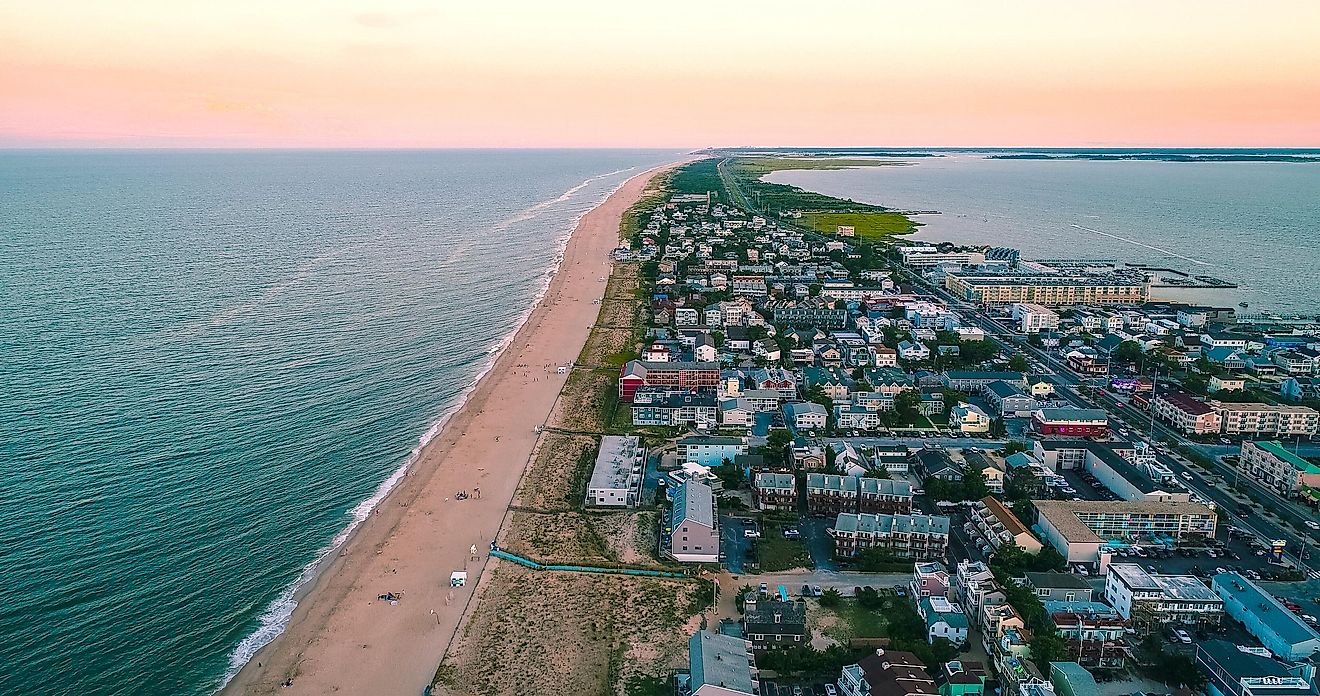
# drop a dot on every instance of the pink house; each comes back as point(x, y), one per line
point(930, 580)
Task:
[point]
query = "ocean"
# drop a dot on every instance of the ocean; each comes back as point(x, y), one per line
point(1255, 224)
point(214, 364)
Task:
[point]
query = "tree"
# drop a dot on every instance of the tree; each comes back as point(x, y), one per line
point(775, 450)
point(730, 474)
point(1127, 352)
point(878, 473)
point(876, 560)
point(1014, 446)
point(831, 598)
point(1021, 484)
point(973, 484)
point(1047, 647)
point(907, 405)
point(1018, 363)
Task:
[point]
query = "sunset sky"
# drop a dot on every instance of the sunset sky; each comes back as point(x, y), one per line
point(333, 73)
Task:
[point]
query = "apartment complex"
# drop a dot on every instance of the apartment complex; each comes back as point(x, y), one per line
point(775, 491)
point(1186, 413)
point(919, 537)
point(1050, 290)
point(616, 478)
point(1033, 318)
point(694, 534)
point(1273, 465)
point(1267, 419)
point(683, 375)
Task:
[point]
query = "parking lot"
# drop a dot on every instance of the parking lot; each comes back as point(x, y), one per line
point(772, 688)
point(1243, 555)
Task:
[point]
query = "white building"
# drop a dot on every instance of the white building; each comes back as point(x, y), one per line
point(1034, 318)
point(616, 479)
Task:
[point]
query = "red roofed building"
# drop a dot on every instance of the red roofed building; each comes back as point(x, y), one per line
point(1076, 422)
point(684, 375)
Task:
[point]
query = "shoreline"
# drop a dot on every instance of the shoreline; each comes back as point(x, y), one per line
point(321, 646)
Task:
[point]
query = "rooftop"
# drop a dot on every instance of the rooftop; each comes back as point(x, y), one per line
point(1073, 415)
point(1186, 402)
point(1063, 514)
point(1005, 516)
point(1290, 627)
point(720, 660)
point(694, 501)
point(1297, 463)
point(1061, 581)
point(614, 462)
point(885, 524)
point(764, 611)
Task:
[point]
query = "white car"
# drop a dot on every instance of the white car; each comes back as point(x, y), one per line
point(1183, 636)
point(1186, 475)
point(1311, 524)
point(751, 534)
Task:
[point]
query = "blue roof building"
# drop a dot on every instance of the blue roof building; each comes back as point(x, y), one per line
point(1282, 632)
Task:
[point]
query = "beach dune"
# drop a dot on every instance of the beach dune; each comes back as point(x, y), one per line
point(342, 637)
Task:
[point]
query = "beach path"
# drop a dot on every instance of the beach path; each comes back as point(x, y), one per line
point(342, 637)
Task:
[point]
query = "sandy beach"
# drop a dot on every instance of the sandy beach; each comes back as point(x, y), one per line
point(342, 637)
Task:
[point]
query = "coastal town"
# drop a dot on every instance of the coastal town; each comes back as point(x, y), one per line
point(915, 468)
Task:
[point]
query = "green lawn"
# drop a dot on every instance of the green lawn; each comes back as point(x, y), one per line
point(776, 553)
point(867, 225)
point(855, 622)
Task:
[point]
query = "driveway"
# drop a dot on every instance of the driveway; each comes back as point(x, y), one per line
point(733, 545)
point(819, 543)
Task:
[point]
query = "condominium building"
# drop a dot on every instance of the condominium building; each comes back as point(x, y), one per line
point(775, 491)
point(878, 496)
point(1033, 318)
point(919, 537)
point(1186, 413)
point(994, 523)
point(616, 478)
point(1050, 290)
point(831, 493)
point(1273, 465)
point(1079, 529)
point(930, 256)
point(1267, 419)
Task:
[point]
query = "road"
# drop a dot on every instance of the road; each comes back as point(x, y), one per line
point(843, 581)
point(1215, 488)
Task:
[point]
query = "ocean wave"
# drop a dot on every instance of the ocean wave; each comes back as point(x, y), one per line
point(275, 618)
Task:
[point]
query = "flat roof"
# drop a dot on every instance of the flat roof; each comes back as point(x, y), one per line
point(1276, 448)
point(1276, 617)
point(1063, 514)
point(614, 462)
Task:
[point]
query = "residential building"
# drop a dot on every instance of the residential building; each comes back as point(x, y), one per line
point(1220, 383)
point(771, 624)
point(1273, 465)
point(1232, 671)
point(710, 450)
point(1095, 634)
point(1075, 422)
point(944, 619)
point(962, 678)
point(616, 478)
point(882, 496)
point(1071, 679)
point(1008, 399)
point(929, 256)
point(684, 375)
point(913, 351)
point(1078, 529)
point(831, 493)
point(1300, 388)
point(1058, 587)
point(805, 415)
point(818, 317)
point(929, 579)
point(995, 524)
point(887, 673)
point(975, 380)
point(1281, 631)
point(1033, 318)
point(937, 464)
point(1150, 601)
point(1087, 361)
point(720, 665)
point(666, 406)
point(1186, 413)
point(969, 418)
point(919, 537)
point(775, 491)
point(1051, 290)
point(693, 533)
point(1267, 419)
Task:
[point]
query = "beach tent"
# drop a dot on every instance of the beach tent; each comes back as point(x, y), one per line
point(458, 578)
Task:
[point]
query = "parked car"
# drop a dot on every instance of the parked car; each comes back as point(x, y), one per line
point(1183, 636)
point(806, 590)
point(830, 690)
point(1311, 524)
point(817, 591)
point(792, 533)
point(751, 534)
point(765, 589)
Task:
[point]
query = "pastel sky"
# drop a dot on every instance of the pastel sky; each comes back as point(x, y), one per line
point(401, 73)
